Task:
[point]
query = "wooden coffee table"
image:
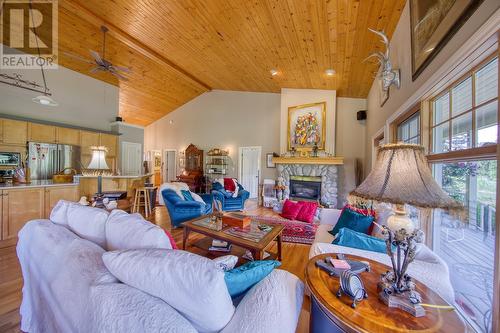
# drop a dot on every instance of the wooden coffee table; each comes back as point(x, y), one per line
point(332, 314)
point(256, 248)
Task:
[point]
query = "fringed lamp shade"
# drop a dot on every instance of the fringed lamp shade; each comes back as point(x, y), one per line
point(98, 161)
point(401, 175)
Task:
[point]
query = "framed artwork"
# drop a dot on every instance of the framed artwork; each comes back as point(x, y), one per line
point(306, 126)
point(432, 24)
point(269, 160)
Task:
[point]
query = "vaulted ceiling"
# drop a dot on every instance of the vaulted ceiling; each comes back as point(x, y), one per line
point(179, 49)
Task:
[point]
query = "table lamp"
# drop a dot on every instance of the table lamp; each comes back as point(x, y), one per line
point(401, 175)
point(98, 166)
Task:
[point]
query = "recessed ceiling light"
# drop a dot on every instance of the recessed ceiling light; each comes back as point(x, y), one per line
point(45, 100)
point(330, 72)
point(170, 122)
point(274, 72)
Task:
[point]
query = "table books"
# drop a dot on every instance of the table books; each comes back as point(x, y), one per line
point(252, 232)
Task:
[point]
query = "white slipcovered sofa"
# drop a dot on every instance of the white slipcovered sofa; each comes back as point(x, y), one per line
point(427, 267)
point(69, 288)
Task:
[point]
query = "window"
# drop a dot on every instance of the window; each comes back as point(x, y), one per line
point(409, 130)
point(465, 116)
point(464, 125)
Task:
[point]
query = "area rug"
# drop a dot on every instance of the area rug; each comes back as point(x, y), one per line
point(294, 231)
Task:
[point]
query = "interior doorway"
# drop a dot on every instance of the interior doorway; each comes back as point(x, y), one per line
point(169, 165)
point(131, 163)
point(249, 169)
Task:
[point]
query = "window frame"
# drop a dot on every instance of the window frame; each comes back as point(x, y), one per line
point(411, 112)
point(473, 153)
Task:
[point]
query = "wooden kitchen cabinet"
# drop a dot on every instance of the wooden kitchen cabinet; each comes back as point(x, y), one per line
point(55, 193)
point(68, 136)
point(109, 141)
point(41, 133)
point(14, 132)
point(87, 140)
point(20, 206)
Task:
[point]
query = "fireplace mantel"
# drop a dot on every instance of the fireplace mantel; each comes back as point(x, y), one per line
point(309, 160)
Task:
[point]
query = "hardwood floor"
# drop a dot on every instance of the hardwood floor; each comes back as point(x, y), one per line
point(295, 257)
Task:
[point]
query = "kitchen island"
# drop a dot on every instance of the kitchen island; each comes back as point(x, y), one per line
point(22, 202)
point(88, 184)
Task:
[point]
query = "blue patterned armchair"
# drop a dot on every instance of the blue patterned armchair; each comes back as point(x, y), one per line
point(226, 199)
point(181, 210)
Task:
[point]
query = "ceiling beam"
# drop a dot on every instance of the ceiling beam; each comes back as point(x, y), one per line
point(128, 40)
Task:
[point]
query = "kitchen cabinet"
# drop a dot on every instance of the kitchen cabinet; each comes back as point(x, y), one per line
point(55, 193)
point(25, 203)
point(41, 133)
point(18, 207)
point(68, 136)
point(14, 132)
point(109, 141)
point(87, 140)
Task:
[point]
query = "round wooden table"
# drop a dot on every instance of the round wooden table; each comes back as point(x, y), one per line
point(332, 314)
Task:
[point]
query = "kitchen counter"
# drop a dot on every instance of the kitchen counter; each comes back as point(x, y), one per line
point(34, 183)
point(117, 177)
point(88, 184)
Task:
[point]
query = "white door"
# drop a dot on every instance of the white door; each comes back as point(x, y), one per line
point(169, 165)
point(249, 169)
point(131, 158)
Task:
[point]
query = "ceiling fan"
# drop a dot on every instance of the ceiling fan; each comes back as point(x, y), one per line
point(100, 61)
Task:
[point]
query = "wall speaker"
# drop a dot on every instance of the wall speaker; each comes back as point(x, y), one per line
point(361, 115)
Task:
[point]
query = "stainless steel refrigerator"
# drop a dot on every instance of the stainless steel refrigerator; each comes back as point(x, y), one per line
point(47, 159)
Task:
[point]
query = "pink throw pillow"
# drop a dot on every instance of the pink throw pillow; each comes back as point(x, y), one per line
point(307, 211)
point(290, 209)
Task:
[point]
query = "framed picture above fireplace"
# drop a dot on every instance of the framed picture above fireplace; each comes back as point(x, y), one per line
point(306, 127)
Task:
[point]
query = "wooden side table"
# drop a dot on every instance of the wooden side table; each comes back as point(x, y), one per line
point(332, 314)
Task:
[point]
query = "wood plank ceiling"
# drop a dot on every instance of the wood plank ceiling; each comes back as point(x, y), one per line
point(180, 49)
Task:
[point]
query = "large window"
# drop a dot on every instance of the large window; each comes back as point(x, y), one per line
point(408, 131)
point(465, 116)
point(463, 124)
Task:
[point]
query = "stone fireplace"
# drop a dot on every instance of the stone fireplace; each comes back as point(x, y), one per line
point(324, 170)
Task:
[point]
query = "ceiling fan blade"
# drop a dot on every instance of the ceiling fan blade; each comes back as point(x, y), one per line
point(123, 69)
point(96, 69)
point(118, 75)
point(77, 57)
point(97, 57)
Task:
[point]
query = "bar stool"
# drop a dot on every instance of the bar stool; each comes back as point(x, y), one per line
point(142, 199)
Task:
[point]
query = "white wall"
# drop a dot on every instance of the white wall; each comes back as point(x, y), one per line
point(229, 119)
point(295, 97)
point(350, 138)
point(128, 133)
point(401, 58)
point(221, 119)
point(83, 101)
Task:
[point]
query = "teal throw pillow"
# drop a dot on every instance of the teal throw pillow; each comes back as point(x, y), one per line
point(239, 280)
point(187, 195)
point(354, 221)
point(358, 240)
